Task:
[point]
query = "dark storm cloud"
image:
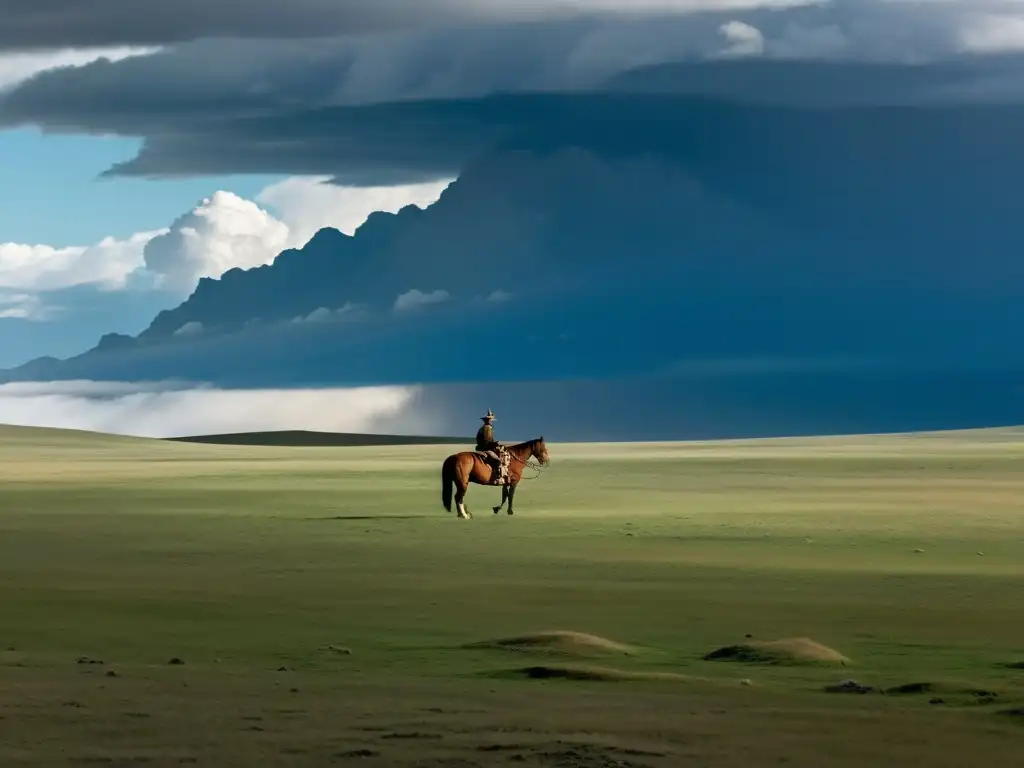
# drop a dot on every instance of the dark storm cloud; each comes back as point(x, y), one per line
point(417, 141)
point(34, 24)
point(227, 78)
point(29, 24)
point(421, 101)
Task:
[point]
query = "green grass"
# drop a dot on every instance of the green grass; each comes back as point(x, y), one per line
point(903, 553)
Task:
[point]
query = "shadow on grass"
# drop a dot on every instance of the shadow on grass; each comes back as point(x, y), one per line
point(364, 518)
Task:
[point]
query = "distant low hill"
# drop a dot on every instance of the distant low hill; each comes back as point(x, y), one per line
point(18, 437)
point(302, 438)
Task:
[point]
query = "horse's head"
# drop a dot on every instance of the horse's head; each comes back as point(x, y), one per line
point(540, 451)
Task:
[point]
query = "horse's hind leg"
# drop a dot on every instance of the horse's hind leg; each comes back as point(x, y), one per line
point(504, 497)
point(511, 496)
point(460, 504)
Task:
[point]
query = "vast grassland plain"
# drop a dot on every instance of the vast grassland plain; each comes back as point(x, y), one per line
point(321, 608)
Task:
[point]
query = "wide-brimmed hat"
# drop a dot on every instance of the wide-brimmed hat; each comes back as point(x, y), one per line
point(489, 415)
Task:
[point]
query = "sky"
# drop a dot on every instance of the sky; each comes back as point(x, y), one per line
point(145, 148)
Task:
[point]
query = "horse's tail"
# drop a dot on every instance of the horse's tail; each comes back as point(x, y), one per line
point(447, 481)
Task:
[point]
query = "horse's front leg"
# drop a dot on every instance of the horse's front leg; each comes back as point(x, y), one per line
point(511, 496)
point(504, 496)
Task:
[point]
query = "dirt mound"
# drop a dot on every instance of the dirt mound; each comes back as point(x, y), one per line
point(796, 650)
point(557, 642)
point(595, 674)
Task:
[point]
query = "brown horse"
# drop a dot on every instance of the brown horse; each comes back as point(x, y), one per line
point(461, 469)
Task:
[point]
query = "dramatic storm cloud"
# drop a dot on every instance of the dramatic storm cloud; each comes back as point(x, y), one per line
point(68, 23)
point(652, 183)
point(380, 97)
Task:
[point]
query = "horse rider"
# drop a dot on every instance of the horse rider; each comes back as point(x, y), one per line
point(487, 445)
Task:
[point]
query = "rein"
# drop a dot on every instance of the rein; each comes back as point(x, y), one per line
point(529, 464)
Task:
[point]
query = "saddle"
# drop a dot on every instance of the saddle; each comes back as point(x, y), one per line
point(487, 459)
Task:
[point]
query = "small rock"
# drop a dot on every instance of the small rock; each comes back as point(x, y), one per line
point(746, 681)
point(283, 669)
point(918, 551)
point(294, 690)
point(87, 660)
point(981, 554)
point(749, 636)
point(176, 662)
point(936, 700)
point(111, 673)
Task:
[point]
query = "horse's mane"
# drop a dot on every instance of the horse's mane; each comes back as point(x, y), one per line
point(527, 444)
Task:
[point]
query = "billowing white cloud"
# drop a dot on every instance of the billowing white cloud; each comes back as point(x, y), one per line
point(176, 410)
point(311, 203)
point(105, 265)
point(743, 39)
point(16, 67)
point(226, 231)
point(223, 232)
point(416, 298)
